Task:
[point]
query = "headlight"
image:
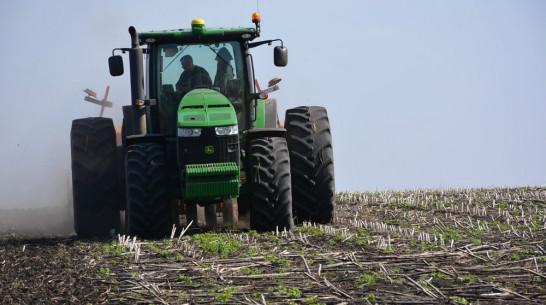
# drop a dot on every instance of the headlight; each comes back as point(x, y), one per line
point(227, 130)
point(189, 132)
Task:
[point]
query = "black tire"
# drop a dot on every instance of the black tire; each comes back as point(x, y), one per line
point(95, 179)
point(312, 163)
point(271, 194)
point(148, 206)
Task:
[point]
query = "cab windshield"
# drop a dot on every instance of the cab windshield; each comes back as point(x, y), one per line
point(182, 68)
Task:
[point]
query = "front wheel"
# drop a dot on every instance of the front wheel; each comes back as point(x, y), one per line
point(148, 206)
point(271, 196)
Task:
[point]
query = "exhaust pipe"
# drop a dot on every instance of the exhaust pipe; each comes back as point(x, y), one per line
point(137, 83)
point(134, 37)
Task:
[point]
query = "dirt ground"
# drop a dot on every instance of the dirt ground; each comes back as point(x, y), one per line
point(443, 246)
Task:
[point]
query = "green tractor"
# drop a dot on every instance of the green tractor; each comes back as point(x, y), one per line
point(200, 134)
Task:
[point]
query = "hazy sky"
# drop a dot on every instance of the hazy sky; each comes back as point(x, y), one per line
point(420, 94)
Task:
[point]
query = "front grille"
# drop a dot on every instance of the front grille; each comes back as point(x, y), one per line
point(193, 150)
point(193, 107)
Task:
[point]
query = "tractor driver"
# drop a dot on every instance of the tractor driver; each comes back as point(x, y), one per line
point(192, 77)
point(224, 70)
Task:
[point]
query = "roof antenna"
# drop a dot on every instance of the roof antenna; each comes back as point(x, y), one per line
point(258, 6)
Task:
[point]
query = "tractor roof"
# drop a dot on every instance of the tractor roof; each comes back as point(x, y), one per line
point(198, 33)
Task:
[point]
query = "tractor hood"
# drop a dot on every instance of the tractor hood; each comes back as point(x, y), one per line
point(205, 108)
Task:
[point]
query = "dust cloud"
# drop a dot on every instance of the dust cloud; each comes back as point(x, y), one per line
point(52, 221)
point(35, 195)
point(42, 209)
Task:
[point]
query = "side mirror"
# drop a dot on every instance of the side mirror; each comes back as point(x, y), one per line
point(115, 63)
point(280, 56)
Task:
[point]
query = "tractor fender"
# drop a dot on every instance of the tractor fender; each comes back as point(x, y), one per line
point(251, 134)
point(145, 138)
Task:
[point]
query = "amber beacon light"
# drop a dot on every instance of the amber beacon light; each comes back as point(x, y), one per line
point(256, 20)
point(256, 17)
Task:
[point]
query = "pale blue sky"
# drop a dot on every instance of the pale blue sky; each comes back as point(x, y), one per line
point(420, 94)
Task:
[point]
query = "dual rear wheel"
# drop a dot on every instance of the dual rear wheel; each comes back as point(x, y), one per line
point(312, 163)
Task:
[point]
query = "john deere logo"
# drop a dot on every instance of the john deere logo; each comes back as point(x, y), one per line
point(209, 149)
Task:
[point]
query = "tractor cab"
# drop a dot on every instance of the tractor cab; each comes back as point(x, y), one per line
point(179, 61)
point(181, 68)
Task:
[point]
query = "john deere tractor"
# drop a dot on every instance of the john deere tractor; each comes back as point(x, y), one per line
point(199, 132)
